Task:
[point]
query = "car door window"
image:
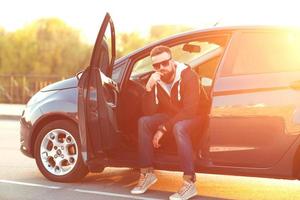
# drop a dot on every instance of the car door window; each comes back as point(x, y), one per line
point(142, 66)
point(210, 51)
point(263, 52)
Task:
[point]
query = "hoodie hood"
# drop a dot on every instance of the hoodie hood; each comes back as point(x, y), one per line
point(179, 68)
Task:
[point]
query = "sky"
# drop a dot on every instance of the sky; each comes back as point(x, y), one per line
point(140, 15)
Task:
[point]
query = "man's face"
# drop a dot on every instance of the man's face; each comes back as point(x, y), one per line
point(164, 64)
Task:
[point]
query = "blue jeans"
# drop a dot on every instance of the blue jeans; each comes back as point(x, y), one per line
point(148, 125)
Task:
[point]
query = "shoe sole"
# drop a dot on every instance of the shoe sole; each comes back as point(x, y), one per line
point(142, 192)
point(192, 195)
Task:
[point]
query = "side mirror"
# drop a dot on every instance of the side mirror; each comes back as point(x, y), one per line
point(191, 48)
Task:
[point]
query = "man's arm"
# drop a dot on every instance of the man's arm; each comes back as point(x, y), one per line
point(149, 104)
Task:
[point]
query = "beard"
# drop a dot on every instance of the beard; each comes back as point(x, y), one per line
point(168, 76)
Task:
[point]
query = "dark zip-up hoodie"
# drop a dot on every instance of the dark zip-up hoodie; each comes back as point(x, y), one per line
point(182, 103)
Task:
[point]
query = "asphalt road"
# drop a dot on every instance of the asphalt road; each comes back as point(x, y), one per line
point(21, 179)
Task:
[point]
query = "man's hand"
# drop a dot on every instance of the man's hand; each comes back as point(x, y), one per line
point(154, 78)
point(156, 138)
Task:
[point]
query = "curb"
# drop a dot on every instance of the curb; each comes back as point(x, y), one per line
point(10, 117)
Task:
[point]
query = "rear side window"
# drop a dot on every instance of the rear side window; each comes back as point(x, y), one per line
point(263, 52)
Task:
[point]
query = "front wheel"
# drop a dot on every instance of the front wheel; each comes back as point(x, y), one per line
point(57, 152)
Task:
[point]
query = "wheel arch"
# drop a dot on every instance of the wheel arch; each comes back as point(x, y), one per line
point(46, 120)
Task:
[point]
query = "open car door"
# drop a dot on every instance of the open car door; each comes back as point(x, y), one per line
point(97, 98)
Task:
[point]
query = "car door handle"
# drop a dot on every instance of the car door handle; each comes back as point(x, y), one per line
point(295, 85)
point(112, 98)
point(112, 85)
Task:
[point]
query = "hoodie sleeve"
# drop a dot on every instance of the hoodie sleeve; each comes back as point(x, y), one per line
point(190, 93)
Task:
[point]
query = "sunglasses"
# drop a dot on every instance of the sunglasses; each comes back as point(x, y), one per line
point(163, 63)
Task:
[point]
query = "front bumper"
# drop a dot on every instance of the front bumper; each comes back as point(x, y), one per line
point(25, 138)
point(29, 117)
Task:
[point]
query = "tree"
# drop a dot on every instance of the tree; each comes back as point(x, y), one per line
point(46, 46)
point(128, 42)
point(2, 44)
point(49, 46)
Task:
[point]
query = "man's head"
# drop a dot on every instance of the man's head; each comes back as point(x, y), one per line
point(162, 62)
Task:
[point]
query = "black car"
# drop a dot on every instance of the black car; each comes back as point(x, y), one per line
point(250, 82)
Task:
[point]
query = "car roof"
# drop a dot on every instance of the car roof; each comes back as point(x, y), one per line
point(212, 30)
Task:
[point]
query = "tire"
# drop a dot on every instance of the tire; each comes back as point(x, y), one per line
point(57, 152)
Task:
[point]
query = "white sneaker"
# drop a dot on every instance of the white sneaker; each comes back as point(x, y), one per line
point(187, 191)
point(145, 181)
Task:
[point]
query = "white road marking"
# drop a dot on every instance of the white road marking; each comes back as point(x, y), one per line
point(29, 184)
point(79, 190)
point(115, 195)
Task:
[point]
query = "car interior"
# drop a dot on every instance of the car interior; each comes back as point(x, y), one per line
point(202, 56)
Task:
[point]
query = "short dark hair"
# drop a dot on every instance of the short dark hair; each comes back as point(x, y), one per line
point(160, 49)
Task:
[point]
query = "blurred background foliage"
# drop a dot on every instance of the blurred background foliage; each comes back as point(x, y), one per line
point(50, 46)
point(46, 46)
point(48, 50)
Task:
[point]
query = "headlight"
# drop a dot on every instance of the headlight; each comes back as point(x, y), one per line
point(40, 96)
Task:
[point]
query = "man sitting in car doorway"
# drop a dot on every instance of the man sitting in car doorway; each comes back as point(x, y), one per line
point(171, 104)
